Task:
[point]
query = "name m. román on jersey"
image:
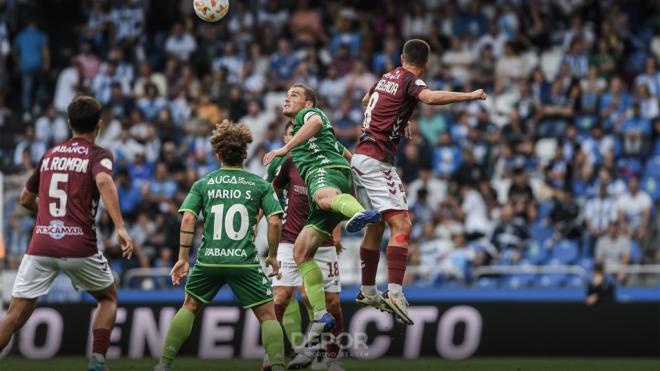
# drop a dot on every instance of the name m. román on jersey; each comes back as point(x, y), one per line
point(65, 182)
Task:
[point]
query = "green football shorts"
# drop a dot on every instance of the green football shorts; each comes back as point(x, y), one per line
point(337, 178)
point(249, 284)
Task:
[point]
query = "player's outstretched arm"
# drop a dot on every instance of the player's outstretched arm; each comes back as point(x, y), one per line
point(29, 201)
point(441, 97)
point(186, 238)
point(308, 130)
point(108, 192)
point(274, 231)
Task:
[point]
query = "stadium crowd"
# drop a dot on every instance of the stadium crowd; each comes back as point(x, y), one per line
point(561, 165)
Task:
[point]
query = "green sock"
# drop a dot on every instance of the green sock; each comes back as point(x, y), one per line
point(313, 280)
point(273, 340)
point(346, 205)
point(178, 333)
point(292, 324)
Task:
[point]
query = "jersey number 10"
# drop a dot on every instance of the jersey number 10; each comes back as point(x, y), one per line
point(220, 218)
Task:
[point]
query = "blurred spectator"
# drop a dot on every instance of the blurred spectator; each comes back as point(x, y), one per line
point(648, 105)
point(333, 87)
point(613, 248)
point(231, 60)
point(564, 214)
point(447, 156)
point(127, 21)
point(130, 196)
point(510, 233)
point(146, 77)
point(521, 195)
point(650, 78)
point(600, 212)
point(151, 103)
point(90, 63)
point(29, 146)
point(180, 44)
point(68, 85)
point(257, 121)
point(305, 24)
point(601, 289)
point(32, 55)
point(636, 131)
point(283, 64)
point(51, 128)
point(635, 210)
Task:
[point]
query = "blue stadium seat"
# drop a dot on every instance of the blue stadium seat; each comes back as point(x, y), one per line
point(544, 210)
point(653, 167)
point(487, 282)
point(575, 281)
point(629, 166)
point(518, 281)
point(536, 253)
point(541, 231)
point(587, 263)
point(551, 280)
point(651, 185)
point(565, 251)
point(635, 252)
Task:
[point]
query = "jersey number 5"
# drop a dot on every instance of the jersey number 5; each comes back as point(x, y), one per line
point(219, 218)
point(58, 208)
point(370, 107)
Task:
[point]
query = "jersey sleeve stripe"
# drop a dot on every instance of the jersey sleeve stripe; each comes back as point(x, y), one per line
point(188, 210)
point(274, 213)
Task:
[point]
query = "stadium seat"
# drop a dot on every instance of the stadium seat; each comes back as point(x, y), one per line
point(487, 282)
point(536, 253)
point(565, 251)
point(651, 185)
point(518, 281)
point(575, 281)
point(541, 231)
point(635, 252)
point(653, 167)
point(587, 263)
point(551, 280)
point(544, 210)
point(629, 166)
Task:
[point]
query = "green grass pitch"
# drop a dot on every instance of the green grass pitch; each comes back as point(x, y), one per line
point(475, 364)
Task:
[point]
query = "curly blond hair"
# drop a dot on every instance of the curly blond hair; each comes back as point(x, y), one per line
point(230, 141)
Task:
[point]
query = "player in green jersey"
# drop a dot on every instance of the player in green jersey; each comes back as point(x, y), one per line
point(230, 199)
point(327, 174)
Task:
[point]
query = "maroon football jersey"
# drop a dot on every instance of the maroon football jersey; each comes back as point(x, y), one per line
point(65, 184)
point(296, 208)
point(391, 104)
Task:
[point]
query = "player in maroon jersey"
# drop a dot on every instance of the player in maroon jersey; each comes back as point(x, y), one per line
point(288, 179)
point(64, 192)
point(388, 107)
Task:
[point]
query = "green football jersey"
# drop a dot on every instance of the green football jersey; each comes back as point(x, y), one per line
point(320, 151)
point(230, 199)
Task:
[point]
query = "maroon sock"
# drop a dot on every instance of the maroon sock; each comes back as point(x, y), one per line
point(369, 260)
point(397, 258)
point(101, 340)
point(333, 348)
point(279, 312)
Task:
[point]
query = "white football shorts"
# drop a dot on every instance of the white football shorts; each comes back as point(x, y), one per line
point(36, 274)
point(326, 258)
point(377, 184)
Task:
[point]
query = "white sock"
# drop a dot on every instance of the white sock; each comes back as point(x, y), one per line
point(369, 290)
point(318, 315)
point(99, 357)
point(395, 289)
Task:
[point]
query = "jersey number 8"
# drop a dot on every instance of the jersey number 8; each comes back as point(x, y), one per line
point(370, 107)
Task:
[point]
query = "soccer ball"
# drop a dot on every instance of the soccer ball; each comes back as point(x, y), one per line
point(211, 10)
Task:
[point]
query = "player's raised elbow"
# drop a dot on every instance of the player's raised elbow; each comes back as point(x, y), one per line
point(426, 96)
